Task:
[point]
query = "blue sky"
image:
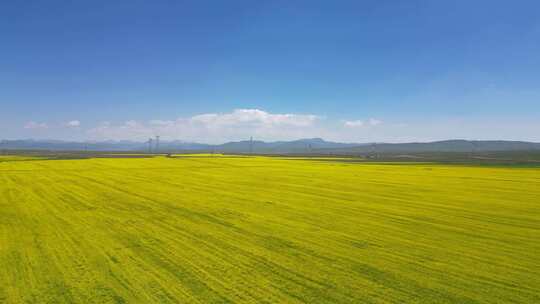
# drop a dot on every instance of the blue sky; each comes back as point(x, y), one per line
point(213, 71)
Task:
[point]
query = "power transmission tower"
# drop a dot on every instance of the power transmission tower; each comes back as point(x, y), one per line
point(473, 150)
point(374, 150)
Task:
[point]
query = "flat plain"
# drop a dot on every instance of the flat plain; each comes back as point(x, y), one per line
point(218, 229)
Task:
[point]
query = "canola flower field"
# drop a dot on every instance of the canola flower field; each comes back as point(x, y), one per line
point(218, 229)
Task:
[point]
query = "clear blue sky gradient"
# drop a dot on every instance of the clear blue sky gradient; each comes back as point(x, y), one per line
point(397, 61)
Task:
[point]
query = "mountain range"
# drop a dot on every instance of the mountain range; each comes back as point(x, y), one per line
point(301, 146)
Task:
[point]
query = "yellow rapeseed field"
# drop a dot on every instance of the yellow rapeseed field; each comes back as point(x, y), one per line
point(218, 229)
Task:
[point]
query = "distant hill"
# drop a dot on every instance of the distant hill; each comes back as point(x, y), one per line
point(301, 146)
point(70, 146)
point(57, 145)
point(307, 145)
point(443, 146)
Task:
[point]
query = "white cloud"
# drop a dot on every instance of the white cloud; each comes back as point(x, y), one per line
point(132, 124)
point(216, 127)
point(360, 123)
point(161, 123)
point(73, 124)
point(374, 122)
point(35, 125)
point(353, 123)
point(254, 117)
point(128, 130)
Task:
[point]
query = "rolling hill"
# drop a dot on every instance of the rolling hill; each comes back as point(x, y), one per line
point(301, 146)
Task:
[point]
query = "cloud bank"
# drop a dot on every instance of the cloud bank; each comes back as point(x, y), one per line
point(215, 127)
point(241, 124)
point(361, 123)
point(73, 124)
point(32, 125)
